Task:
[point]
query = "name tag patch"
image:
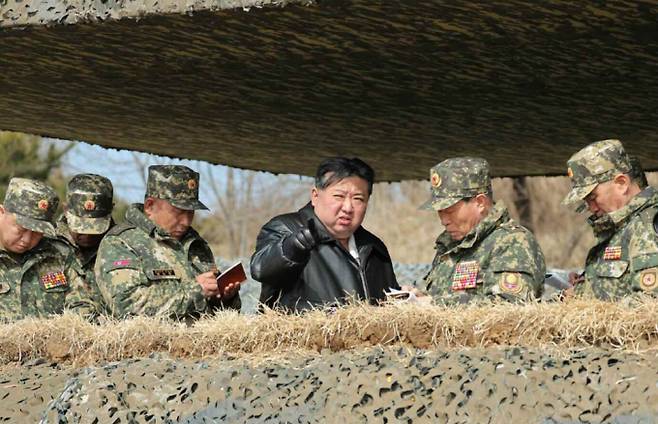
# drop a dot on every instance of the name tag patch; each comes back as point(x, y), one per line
point(612, 253)
point(159, 274)
point(465, 275)
point(53, 279)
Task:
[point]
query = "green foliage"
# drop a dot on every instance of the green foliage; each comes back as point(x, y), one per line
point(23, 155)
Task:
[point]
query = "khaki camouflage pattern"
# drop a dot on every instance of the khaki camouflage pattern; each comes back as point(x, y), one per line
point(89, 204)
point(625, 259)
point(177, 184)
point(597, 163)
point(86, 298)
point(35, 283)
point(142, 270)
point(455, 179)
point(34, 204)
point(509, 260)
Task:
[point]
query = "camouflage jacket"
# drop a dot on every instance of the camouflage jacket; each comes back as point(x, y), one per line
point(34, 283)
point(142, 270)
point(498, 258)
point(625, 258)
point(86, 299)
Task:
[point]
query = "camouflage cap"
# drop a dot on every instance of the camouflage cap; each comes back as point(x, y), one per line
point(89, 204)
point(455, 179)
point(597, 163)
point(177, 184)
point(34, 204)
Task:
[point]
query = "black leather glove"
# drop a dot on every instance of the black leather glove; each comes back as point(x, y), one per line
point(298, 245)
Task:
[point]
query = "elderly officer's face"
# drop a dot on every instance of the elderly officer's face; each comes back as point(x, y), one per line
point(609, 196)
point(13, 237)
point(342, 206)
point(173, 220)
point(460, 218)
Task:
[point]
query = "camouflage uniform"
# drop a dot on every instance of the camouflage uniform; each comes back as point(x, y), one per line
point(497, 259)
point(34, 283)
point(88, 211)
point(142, 270)
point(625, 258)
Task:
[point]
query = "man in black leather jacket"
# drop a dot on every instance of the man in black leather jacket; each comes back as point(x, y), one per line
point(321, 255)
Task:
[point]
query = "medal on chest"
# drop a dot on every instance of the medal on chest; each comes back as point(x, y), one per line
point(465, 275)
point(612, 253)
point(53, 279)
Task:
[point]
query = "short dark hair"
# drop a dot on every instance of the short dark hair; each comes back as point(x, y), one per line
point(335, 169)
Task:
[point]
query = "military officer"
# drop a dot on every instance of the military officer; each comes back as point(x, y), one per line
point(87, 217)
point(625, 258)
point(33, 280)
point(482, 253)
point(155, 263)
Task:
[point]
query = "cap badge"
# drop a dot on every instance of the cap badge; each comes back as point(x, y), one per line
point(191, 184)
point(90, 205)
point(435, 179)
point(43, 204)
point(570, 172)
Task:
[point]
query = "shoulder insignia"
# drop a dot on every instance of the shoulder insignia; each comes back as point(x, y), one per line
point(648, 279)
point(510, 282)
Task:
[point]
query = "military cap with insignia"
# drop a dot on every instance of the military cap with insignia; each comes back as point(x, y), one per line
point(597, 163)
point(89, 204)
point(455, 179)
point(177, 184)
point(34, 203)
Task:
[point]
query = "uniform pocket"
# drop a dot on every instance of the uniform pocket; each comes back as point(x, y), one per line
point(611, 269)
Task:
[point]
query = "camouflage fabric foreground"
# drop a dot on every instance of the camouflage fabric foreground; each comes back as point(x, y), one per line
point(373, 385)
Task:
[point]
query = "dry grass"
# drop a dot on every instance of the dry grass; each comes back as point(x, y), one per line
point(577, 324)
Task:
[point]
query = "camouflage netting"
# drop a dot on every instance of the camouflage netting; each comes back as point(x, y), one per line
point(375, 385)
point(400, 84)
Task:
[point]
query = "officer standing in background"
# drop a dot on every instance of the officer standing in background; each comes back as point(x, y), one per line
point(87, 217)
point(624, 218)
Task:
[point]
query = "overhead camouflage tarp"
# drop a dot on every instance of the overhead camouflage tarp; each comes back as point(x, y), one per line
point(277, 86)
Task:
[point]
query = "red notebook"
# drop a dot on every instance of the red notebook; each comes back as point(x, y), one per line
point(234, 274)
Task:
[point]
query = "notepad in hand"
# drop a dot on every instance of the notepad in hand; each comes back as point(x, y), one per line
point(234, 274)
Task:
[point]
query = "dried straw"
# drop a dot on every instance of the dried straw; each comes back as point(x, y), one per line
point(631, 326)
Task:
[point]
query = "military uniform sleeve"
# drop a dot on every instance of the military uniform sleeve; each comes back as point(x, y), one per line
point(203, 260)
point(643, 252)
point(127, 290)
point(84, 298)
point(517, 267)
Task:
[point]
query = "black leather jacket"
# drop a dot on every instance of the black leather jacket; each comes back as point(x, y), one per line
point(330, 275)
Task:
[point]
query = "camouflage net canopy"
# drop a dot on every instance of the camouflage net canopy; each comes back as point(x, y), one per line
point(373, 385)
point(259, 84)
